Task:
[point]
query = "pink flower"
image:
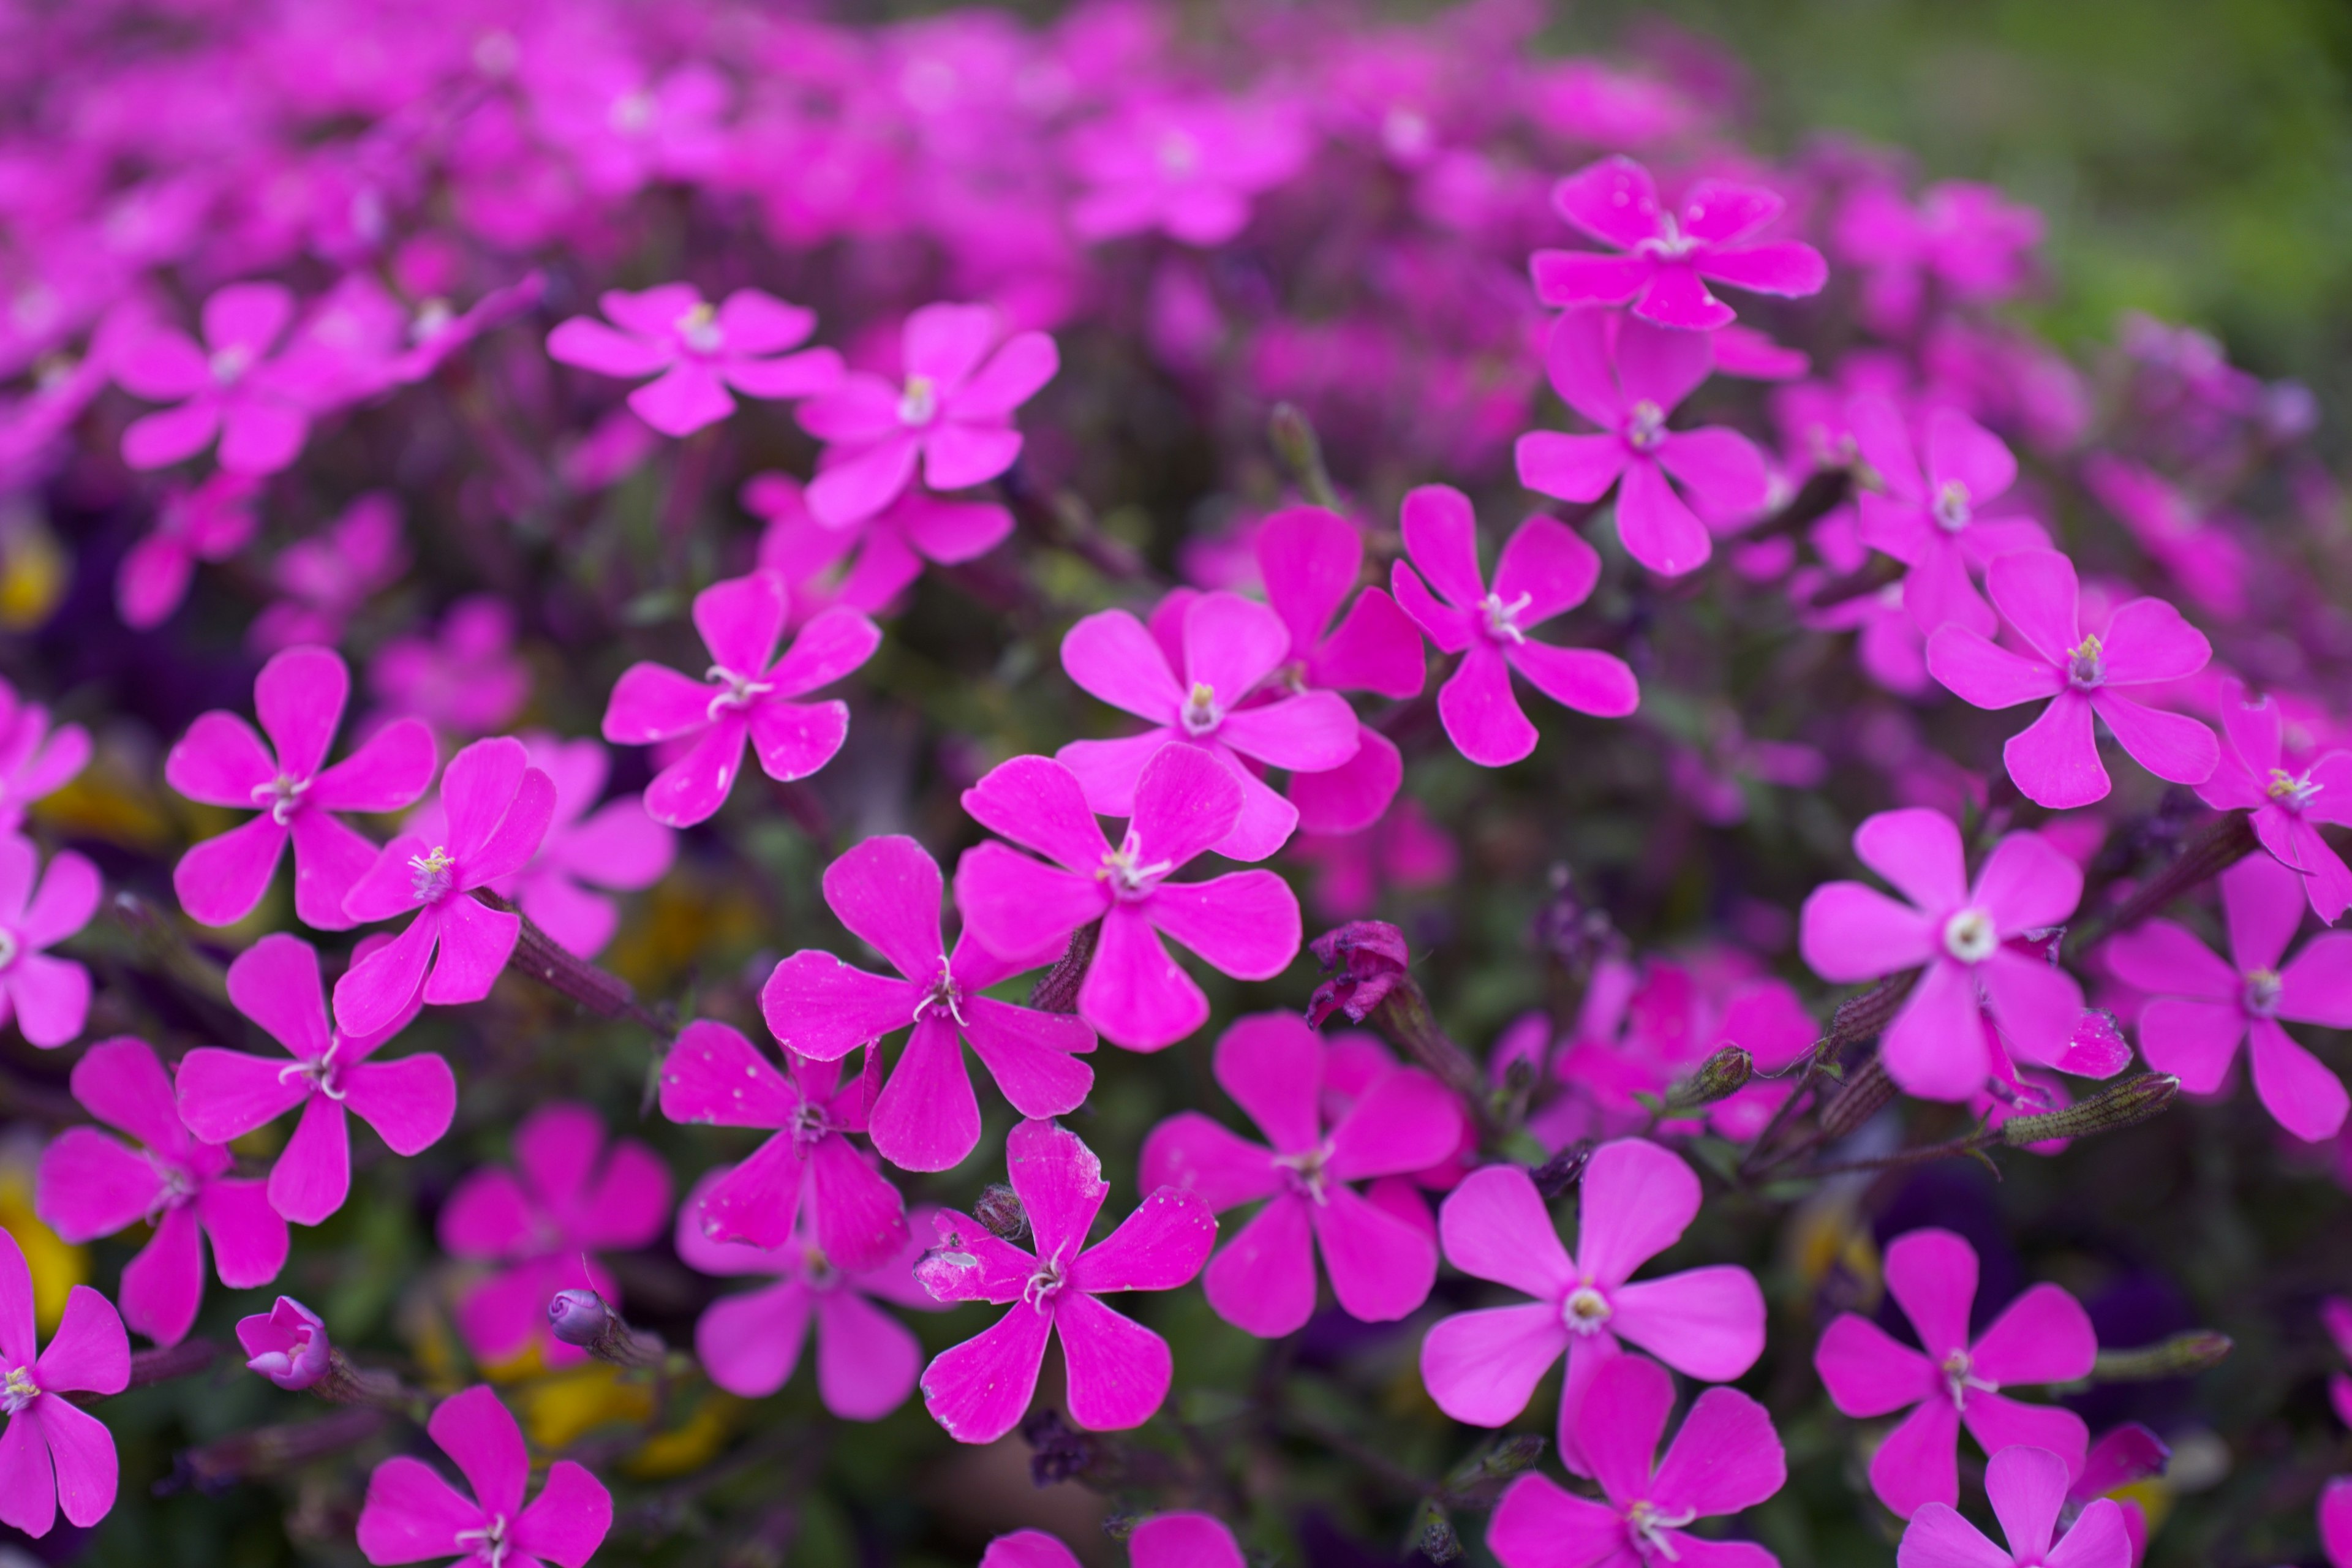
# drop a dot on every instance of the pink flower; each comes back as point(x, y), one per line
point(569, 1193)
point(91, 1185)
point(2055, 759)
point(1381, 1265)
point(412, 1515)
point(2335, 1522)
point(746, 693)
point(2201, 1008)
point(1228, 647)
point(1545, 570)
point(1928, 520)
point(2126, 1454)
point(1404, 850)
point(1963, 237)
point(50, 997)
point(889, 547)
point(2251, 774)
point(1669, 253)
point(288, 1344)
point(1726, 1458)
point(1118, 1371)
point(2043, 1336)
point(465, 678)
point(35, 760)
point(1637, 1199)
point(498, 808)
point(1245, 924)
point(327, 578)
point(716, 1078)
point(887, 890)
point(210, 522)
point(230, 387)
point(1162, 1541)
point(954, 412)
point(1187, 168)
point(1628, 377)
point(2200, 553)
point(227, 1094)
point(702, 351)
point(52, 1453)
point(2027, 1487)
point(298, 697)
point(1937, 1047)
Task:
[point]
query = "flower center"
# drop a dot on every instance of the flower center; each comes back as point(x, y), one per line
point(809, 1124)
point(320, 1075)
point(1406, 131)
point(280, 797)
point(1045, 1284)
point(490, 1543)
point(742, 690)
point(433, 318)
point(2291, 792)
point(1310, 1171)
point(2087, 666)
point(1646, 1523)
point(1124, 869)
point(19, 1391)
point(1202, 713)
point(1178, 154)
point(920, 403)
point(1959, 1376)
point(230, 365)
point(179, 1187)
point(1970, 936)
point(698, 329)
point(631, 113)
point(944, 995)
point(1502, 619)
point(2262, 992)
point(1952, 511)
point(432, 873)
point(1586, 1310)
point(817, 1270)
point(1671, 246)
point(1645, 427)
point(9, 948)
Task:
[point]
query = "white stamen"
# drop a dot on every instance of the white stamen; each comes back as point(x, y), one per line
point(1586, 1310)
point(1952, 509)
point(920, 403)
point(432, 873)
point(698, 329)
point(280, 797)
point(742, 690)
point(1123, 868)
point(1970, 936)
point(1502, 623)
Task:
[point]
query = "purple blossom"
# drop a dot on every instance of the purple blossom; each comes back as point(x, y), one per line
point(288, 1344)
point(700, 352)
point(412, 1514)
point(55, 1455)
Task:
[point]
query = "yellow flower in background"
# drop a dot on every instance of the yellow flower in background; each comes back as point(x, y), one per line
point(1828, 1250)
point(34, 571)
point(690, 1445)
point(559, 1409)
point(57, 1267)
point(109, 802)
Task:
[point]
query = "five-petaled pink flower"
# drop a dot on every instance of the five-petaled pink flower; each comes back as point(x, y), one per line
point(53, 1454)
point(1669, 252)
point(887, 891)
point(1118, 1371)
point(1381, 1264)
point(1928, 518)
point(2027, 1487)
point(2200, 1009)
point(298, 697)
point(48, 997)
point(91, 1185)
point(1545, 570)
point(2252, 775)
point(227, 1094)
point(211, 522)
point(1189, 169)
point(868, 564)
point(1164, 1541)
point(2043, 1336)
point(326, 577)
point(2055, 759)
point(1186, 803)
point(412, 1515)
point(702, 350)
point(229, 387)
point(1938, 1047)
point(953, 412)
point(747, 694)
point(1628, 377)
point(1726, 1458)
point(1964, 237)
point(1636, 1199)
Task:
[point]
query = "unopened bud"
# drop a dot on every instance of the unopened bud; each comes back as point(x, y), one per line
point(1565, 1169)
point(1000, 1210)
point(1859, 1018)
point(1866, 1094)
point(1512, 1456)
point(2122, 1105)
point(1719, 1077)
point(1437, 1540)
point(582, 1317)
point(288, 1344)
point(1293, 437)
point(2182, 1355)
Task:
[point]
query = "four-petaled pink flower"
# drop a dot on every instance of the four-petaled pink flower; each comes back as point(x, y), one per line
point(1725, 1459)
point(953, 412)
point(2252, 775)
point(2200, 1009)
point(1628, 377)
point(229, 387)
point(53, 1454)
point(1187, 168)
point(464, 678)
point(298, 698)
point(211, 521)
point(1636, 1199)
point(887, 891)
point(568, 1193)
point(91, 1185)
point(1164, 1541)
point(227, 1094)
point(1938, 1047)
point(288, 1344)
point(1381, 1264)
point(1928, 518)
point(1229, 646)
point(1670, 252)
point(1118, 1371)
point(702, 350)
point(2043, 1336)
point(48, 997)
point(747, 694)
point(2055, 759)
point(2027, 1487)
point(1245, 923)
point(412, 1515)
point(1545, 570)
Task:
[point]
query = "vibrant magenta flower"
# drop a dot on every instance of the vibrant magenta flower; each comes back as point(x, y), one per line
point(889, 547)
point(227, 1094)
point(1545, 570)
point(288, 1344)
point(1118, 1370)
point(298, 698)
point(2126, 1454)
point(91, 1185)
point(498, 808)
point(436, 331)
point(1726, 1458)
point(327, 578)
point(465, 678)
point(412, 1515)
point(211, 522)
point(702, 350)
point(1229, 646)
point(2201, 1009)
point(1928, 519)
point(2043, 1336)
point(1937, 1047)
point(35, 760)
point(716, 1078)
point(954, 412)
point(1404, 850)
point(2027, 1487)
point(1162, 1541)
point(53, 1454)
point(1628, 377)
point(1245, 924)
point(1965, 239)
point(887, 890)
point(50, 997)
point(229, 387)
point(746, 693)
point(2251, 775)
point(2335, 1522)
point(567, 1195)
point(1187, 168)
point(1272, 1066)
point(1637, 1198)
point(2055, 759)
point(1669, 253)
point(2199, 551)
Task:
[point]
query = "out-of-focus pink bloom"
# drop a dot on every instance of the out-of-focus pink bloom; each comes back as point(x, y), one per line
point(1245, 924)
point(435, 331)
point(1963, 239)
point(700, 351)
point(2027, 1486)
point(1118, 1371)
point(91, 1185)
point(1404, 850)
point(2207, 565)
point(1187, 168)
point(1928, 519)
point(1713, 778)
point(228, 388)
point(412, 1514)
point(211, 521)
point(610, 450)
point(48, 997)
point(2127, 1454)
point(2335, 1522)
point(2043, 1336)
point(465, 678)
point(327, 578)
point(1162, 1541)
point(35, 760)
point(2251, 775)
point(621, 129)
point(288, 1344)
point(1593, 103)
point(53, 1454)
point(889, 547)
point(1668, 252)
point(1751, 355)
point(2335, 1317)
point(1627, 377)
